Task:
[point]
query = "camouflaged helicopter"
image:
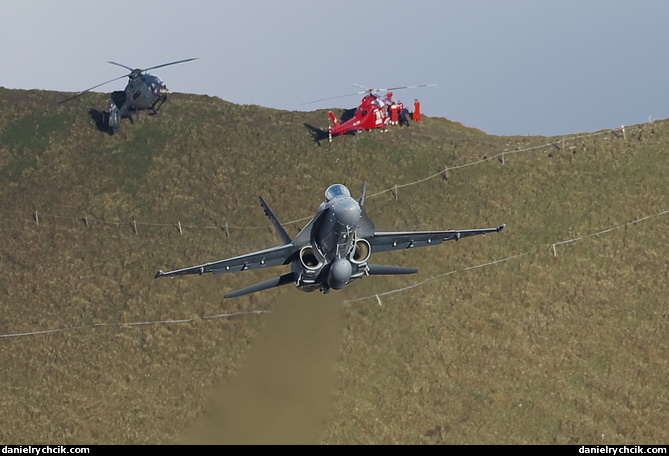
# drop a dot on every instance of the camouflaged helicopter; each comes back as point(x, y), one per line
point(144, 91)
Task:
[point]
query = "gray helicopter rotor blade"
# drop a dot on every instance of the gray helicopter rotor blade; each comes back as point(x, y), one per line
point(122, 66)
point(94, 87)
point(171, 63)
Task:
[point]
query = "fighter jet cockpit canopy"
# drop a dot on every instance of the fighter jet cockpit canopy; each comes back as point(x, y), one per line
point(336, 190)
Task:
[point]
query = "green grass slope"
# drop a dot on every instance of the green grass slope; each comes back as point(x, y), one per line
point(559, 344)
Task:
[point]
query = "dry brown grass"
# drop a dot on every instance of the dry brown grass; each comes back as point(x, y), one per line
point(539, 349)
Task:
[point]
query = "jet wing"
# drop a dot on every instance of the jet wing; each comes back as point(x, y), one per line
point(276, 256)
point(385, 241)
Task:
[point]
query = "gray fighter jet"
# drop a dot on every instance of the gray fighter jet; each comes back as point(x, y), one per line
point(331, 251)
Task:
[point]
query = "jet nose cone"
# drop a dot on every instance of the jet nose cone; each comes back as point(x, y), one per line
point(347, 211)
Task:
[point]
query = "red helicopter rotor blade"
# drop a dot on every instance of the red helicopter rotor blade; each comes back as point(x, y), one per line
point(333, 98)
point(406, 87)
point(369, 91)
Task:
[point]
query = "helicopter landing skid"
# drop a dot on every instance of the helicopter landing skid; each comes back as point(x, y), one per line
point(160, 101)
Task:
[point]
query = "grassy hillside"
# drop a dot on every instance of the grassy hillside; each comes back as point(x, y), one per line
point(541, 348)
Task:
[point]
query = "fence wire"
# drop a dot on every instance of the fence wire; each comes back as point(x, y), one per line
point(36, 215)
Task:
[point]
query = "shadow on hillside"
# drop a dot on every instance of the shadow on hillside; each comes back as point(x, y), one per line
point(100, 119)
point(319, 134)
point(316, 133)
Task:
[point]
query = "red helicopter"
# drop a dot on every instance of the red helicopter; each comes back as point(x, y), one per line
point(374, 111)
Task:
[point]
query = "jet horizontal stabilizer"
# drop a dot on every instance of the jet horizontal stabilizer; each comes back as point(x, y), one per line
point(379, 269)
point(267, 284)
